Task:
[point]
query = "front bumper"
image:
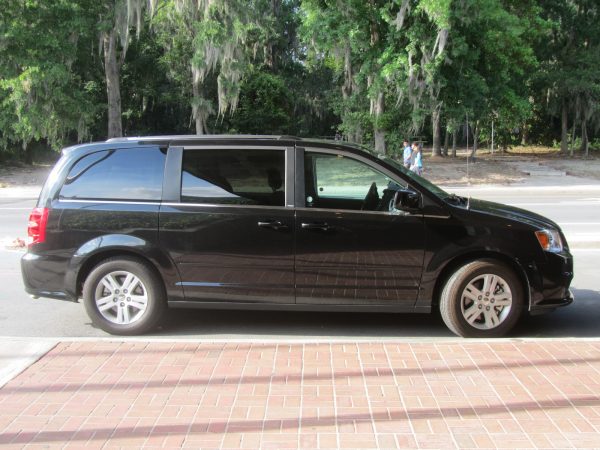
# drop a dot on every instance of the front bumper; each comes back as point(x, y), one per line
point(551, 305)
point(550, 282)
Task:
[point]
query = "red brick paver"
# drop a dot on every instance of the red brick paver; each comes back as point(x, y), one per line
point(503, 394)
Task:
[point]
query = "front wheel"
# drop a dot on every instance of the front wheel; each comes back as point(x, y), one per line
point(124, 296)
point(482, 299)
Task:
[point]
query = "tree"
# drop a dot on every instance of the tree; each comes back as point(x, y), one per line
point(569, 79)
point(42, 95)
point(489, 58)
point(116, 19)
point(219, 38)
point(350, 38)
point(376, 70)
point(264, 99)
point(426, 27)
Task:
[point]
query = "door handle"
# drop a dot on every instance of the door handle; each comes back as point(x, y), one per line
point(273, 224)
point(323, 226)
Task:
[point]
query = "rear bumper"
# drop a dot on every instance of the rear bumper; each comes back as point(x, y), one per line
point(44, 276)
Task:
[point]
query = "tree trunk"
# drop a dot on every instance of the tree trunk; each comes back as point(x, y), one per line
point(572, 148)
point(358, 135)
point(435, 125)
point(377, 104)
point(28, 153)
point(198, 118)
point(584, 138)
point(564, 132)
point(270, 59)
point(475, 140)
point(113, 90)
point(351, 135)
point(446, 141)
point(378, 132)
point(454, 136)
point(525, 135)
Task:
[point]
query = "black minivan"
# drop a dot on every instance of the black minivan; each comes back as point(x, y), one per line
point(135, 225)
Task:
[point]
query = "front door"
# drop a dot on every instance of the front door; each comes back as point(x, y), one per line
point(231, 234)
point(351, 249)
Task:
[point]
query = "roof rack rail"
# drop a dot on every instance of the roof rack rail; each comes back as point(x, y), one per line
point(289, 137)
point(195, 136)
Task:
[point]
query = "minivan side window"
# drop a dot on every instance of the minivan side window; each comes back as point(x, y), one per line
point(338, 182)
point(119, 174)
point(234, 177)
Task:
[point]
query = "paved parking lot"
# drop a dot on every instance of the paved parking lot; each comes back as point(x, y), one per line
point(454, 394)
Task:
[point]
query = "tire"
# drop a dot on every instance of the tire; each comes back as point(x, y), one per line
point(469, 312)
point(124, 296)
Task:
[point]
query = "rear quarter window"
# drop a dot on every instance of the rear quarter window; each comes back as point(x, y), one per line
point(119, 174)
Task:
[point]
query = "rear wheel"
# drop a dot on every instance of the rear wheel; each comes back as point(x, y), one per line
point(482, 299)
point(124, 296)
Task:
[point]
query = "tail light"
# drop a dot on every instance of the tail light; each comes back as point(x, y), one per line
point(36, 229)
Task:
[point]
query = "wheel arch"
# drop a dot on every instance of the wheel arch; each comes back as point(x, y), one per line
point(105, 254)
point(453, 265)
point(99, 249)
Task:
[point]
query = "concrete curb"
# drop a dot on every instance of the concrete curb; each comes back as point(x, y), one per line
point(17, 354)
point(287, 340)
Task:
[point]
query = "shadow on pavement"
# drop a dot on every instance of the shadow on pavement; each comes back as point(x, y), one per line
point(581, 319)
point(295, 324)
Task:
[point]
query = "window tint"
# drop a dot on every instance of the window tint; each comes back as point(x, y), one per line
point(122, 174)
point(335, 181)
point(239, 177)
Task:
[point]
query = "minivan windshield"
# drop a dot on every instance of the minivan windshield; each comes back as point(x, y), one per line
point(422, 181)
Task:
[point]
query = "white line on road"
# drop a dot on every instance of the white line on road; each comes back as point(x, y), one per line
point(582, 237)
point(555, 203)
point(577, 223)
point(514, 187)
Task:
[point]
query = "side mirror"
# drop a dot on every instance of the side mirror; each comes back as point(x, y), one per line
point(407, 200)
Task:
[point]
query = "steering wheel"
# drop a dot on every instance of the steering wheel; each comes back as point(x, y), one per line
point(371, 201)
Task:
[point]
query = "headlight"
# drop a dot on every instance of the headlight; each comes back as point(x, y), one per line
point(550, 240)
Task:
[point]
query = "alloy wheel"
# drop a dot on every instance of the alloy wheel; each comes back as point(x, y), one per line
point(486, 301)
point(121, 297)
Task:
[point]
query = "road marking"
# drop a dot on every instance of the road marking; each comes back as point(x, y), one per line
point(590, 237)
point(578, 223)
point(513, 187)
point(555, 203)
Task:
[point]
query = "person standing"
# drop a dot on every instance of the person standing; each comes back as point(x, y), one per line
point(406, 154)
point(417, 159)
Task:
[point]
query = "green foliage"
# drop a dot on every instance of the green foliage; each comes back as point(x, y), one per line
point(43, 96)
point(377, 71)
point(264, 99)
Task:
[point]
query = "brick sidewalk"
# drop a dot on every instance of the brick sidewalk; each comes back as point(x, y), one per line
point(502, 394)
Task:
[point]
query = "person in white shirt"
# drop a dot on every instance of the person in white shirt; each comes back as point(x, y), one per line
point(406, 154)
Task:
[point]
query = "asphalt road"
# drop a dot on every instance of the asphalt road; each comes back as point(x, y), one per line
point(577, 211)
